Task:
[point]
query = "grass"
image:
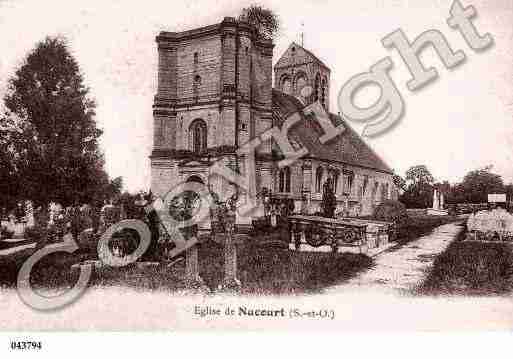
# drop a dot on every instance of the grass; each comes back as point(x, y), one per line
point(7, 245)
point(418, 226)
point(471, 268)
point(264, 270)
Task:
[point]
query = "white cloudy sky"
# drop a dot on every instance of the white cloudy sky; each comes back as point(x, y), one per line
point(462, 121)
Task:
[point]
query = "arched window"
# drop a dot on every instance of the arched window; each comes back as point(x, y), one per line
point(198, 136)
point(300, 82)
point(285, 180)
point(335, 178)
point(286, 85)
point(318, 179)
point(350, 180)
point(317, 90)
point(333, 175)
point(365, 183)
point(375, 191)
point(195, 57)
point(383, 192)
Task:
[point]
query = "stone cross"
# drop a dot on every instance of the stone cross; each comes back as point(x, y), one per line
point(230, 280)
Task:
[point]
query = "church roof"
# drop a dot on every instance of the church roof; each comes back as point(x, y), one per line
point(348, 147)
point(301, 55)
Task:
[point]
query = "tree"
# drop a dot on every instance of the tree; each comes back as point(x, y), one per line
point(54, 139)
point(478, 184)
point(265, 21)
point(419, 190)
point(9, 179)
point(419, 174)
point(399, 182)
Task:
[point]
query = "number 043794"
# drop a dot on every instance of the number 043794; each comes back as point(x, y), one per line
point(21, 345)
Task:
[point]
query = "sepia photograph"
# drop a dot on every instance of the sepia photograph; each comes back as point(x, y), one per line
point(255, 165)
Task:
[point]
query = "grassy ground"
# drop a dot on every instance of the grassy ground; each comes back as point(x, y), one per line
point(417, 226)
point(261, 269)
point(471, 268)
point(8, 245)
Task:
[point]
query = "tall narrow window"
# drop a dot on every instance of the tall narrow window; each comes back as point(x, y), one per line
point(198, 136)
point(317, 93)
point(365, 184)
point(323, 93)
point(285, 180)
point(196, 58)
point(196, 86)
point(286, 85)
point(375, 191)
point(350, 181)
point(383, 192)
point(334, 176)
point(318, 179)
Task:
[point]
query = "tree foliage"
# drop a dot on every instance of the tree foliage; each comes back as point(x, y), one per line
point(419, 187)
point(399, 182)
point(9, 175)
point(52, 135)
point(265, 21)
point(476, 186)
point(419, 174)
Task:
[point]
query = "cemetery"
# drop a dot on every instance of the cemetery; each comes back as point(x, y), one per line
point(283, 252)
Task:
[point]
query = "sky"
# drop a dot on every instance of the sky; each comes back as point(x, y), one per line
point(460, 122)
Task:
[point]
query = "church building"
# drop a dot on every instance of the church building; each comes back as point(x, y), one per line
point(215, 93)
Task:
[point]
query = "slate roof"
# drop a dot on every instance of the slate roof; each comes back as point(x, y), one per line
point(348, 147)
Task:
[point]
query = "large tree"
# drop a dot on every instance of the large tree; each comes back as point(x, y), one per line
point(265, 21)
point(9, 176)
point(419, 190)
point(419, 174)
point(54, 138)
point(478, 184)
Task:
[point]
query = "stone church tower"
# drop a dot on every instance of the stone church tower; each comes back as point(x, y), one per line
point(214, 94)
point(301, 74)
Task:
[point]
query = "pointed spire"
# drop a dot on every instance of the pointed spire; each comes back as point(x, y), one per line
point(302, 34)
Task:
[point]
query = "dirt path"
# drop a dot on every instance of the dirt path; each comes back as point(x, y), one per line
point(404, 268)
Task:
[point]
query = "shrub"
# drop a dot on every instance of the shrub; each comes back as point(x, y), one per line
point(5, 233)
point(391, 211)
point(36, 233)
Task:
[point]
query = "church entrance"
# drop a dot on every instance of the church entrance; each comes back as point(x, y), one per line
point(196, 179)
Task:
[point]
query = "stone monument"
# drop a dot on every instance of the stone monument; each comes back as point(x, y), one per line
point(438, 204)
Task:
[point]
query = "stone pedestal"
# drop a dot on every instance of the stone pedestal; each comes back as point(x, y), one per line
point(230, 280)
point(192, 276)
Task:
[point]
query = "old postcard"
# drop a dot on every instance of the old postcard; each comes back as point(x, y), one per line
point(237, 165)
